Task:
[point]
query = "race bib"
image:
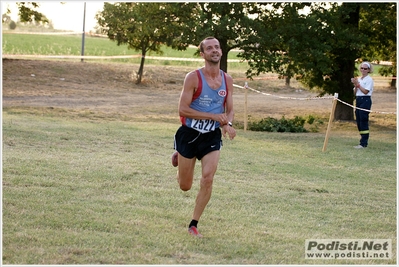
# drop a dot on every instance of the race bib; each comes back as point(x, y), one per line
point(203, 126)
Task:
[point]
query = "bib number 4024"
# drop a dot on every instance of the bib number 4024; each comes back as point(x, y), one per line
point(203, 126)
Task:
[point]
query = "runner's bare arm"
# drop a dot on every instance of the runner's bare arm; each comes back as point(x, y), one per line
point(229, 109)
point(229, 101)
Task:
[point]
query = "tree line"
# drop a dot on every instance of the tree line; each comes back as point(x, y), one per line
point(317, 43)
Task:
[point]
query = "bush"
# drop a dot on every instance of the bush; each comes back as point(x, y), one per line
point(12, 25)
point(295, 125)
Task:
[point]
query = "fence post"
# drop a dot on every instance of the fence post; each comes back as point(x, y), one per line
point(330, 121)
point(246, 107)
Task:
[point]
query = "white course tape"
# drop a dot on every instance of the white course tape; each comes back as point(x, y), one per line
point(110, 57)
point(285, 97)
point(311, 98)
point(380, 112)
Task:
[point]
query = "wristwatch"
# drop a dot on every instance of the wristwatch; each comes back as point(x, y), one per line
point(230, 124)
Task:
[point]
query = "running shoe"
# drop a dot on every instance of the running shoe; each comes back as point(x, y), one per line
point(174, 159)
point(194, 231)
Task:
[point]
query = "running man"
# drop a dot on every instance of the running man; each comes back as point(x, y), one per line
point(206, 112)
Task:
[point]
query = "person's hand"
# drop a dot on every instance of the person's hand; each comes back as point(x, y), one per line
point(221, 118)
point(226, 129)
point(354, 81)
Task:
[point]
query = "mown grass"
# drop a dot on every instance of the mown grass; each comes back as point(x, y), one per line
point(71, 45)
point(86, 190)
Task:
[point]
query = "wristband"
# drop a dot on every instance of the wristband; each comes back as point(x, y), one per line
point(230, 124)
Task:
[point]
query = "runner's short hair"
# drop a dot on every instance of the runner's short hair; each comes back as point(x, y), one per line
point(201, 45)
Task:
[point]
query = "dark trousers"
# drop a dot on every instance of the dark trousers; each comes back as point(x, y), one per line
point(362, 118)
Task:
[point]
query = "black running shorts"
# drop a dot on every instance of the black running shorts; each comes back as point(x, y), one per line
point(191, 143)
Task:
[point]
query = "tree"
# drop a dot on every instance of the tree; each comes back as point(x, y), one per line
point(378, 22)
point(320, 48)
point(143, 26)
point(5, 18)
point(291, 43)
point(276, 43)
point(346, 29)
point(177, 25)
point(228, 22)
point(27, 12)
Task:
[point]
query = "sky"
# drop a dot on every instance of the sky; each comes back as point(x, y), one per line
point(67, 16)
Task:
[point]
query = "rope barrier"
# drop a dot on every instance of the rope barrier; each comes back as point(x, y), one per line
point(380, 112)
point(111, 57)
point(284, 97)
point(70, 57)
point(310, 98)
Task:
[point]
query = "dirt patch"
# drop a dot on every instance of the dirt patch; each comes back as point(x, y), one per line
point(110, 88)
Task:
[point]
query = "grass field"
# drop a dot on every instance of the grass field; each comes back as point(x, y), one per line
point(81, 186)
point(88, 191)
point(71, 45)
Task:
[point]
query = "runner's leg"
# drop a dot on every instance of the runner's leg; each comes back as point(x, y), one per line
point(185, 174)
point(209, 165)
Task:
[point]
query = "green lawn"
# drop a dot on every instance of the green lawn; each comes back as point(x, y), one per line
point(90, 191)
point(71, 45)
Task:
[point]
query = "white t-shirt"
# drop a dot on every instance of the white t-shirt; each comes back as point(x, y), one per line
point(366, 83)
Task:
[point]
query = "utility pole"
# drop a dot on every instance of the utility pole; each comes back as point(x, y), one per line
point(83, 33)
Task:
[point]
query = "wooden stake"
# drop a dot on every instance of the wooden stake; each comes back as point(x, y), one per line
point(330, 121)
point(246, 107)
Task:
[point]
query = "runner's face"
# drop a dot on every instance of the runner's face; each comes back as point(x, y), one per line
point(212, 52)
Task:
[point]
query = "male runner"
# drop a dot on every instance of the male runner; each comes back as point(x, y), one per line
point(206, 112)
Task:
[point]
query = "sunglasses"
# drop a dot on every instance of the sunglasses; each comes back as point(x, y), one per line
point(364, 68)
